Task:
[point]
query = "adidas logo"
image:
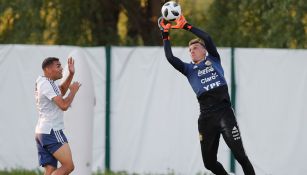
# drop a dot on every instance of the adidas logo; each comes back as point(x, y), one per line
point(235, 133)
point(234, 130)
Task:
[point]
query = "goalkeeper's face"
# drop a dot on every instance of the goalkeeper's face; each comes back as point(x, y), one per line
point(198, 52)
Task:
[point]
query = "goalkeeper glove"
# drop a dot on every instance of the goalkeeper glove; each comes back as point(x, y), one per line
point(181, 23)
point(164, 27)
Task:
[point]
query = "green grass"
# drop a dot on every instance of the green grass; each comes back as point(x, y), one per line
point(20, 172)
point(99, 172)
point(39, 172)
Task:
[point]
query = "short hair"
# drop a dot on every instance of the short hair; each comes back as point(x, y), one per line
point(197, 40)
point(48, 61)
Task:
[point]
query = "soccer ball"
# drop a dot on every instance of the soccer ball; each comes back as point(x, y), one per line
point(171, 10)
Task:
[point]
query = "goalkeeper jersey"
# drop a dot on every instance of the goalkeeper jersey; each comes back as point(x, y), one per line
point(207, 77)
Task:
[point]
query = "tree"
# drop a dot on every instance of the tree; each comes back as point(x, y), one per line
point(142, 21)
point(261, 23)
point(102, 15)
point(19, 22)
point(240, 23)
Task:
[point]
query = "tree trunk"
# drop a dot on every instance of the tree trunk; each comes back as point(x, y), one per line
point(103, 18)
point(143, 20)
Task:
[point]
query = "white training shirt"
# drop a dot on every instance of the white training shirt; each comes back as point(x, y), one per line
point(50, 115)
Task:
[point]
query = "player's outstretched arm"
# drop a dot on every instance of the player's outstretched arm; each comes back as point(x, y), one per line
point(64, 103)
point(174, 61)
point(71, 68)
point(181, 23)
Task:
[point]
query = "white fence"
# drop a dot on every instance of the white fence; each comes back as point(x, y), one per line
point(154, 110)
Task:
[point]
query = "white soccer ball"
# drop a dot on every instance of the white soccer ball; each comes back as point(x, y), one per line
point(171, 10)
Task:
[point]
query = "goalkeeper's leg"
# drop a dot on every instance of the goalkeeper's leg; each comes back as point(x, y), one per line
point(209, 142)
point(232, 137)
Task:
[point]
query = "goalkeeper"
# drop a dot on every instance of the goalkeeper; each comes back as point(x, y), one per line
point(206, 76)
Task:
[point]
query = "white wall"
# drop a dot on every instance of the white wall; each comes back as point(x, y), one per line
point(271, 108)
point(154, 113)
point(154, 110)
point(20, 65)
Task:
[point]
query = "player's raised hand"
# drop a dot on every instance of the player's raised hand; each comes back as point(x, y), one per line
point(71, 65)
point(74, 87)
point(164, 26)
point(181, 23)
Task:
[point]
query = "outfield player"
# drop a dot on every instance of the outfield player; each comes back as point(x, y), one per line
point(51, 142)
point(206, 76)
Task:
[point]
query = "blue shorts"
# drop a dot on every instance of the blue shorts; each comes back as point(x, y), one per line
point(47, 144)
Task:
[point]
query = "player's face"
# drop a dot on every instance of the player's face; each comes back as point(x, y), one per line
point(56, 70)
point(198, 52)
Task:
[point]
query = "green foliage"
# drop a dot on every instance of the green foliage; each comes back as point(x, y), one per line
point(236, 23)
point(18, 22)
point(259, 23)
point(195, 13)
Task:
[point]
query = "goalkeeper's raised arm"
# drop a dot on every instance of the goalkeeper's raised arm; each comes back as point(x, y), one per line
point(181, 23)
point(174, 61)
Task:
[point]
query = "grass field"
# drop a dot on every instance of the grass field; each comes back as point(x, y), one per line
point(39, 172)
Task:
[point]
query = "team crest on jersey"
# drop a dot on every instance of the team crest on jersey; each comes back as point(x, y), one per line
point(208, 63)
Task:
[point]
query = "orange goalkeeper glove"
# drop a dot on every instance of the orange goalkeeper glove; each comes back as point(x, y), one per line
point(181, 23)
point(164, 27)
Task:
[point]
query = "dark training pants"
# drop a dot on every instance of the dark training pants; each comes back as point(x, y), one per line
point(210, 126)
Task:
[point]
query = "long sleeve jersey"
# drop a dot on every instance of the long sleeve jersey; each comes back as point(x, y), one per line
point(207, 77)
